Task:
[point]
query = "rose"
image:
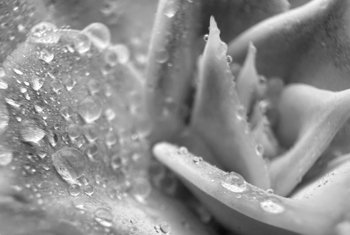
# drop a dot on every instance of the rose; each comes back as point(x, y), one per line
point(97, 199)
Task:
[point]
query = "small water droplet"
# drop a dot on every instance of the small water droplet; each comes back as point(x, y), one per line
point(37, 83)
point(104, 217)
point(90, 109)
point(73, 131)
point(99, 35)
point(82, 43)
point(183, 150)
point(171, 9)
point(110, 114)
point(91, 132)
point(272, 205)
point(74, 190)
point(44, 32)
point(18, 72)
point(164, 228)
point(259, 149)
point(206, 37)
point(141, 189)
point(229, 59)
point(12, 102)
point(30, 132)
point(5, 156)
point(46, 56)
point(240, 113)
point(234, 182)
point(162, 56)
point(4, 117)
point(115, 54)
point(3, 83)
point(89, 190)
point(70, 163)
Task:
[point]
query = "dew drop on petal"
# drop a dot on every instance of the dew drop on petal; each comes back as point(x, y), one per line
point(89, 190)
point(74, 190)
point(171, 9)
point(272, 205)
point(82, 43)
point(3, 83)
point(69, 163)
point(234, 182)
point(115, 54)
point(5, 156)
point(30, 132)
point(240, 113)
point(46, 56)
point(37, 83)
point(90, 109)
point(44, 32)
point(4, 117)
point(99, 35)
point(104, 217)
point(164, 228)
point(141, 189)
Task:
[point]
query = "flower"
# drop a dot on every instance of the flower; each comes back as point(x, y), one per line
point(79, 117)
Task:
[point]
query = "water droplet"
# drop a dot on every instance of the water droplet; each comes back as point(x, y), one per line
point(183, 150)
point(162, 56)
point(5, 156)
point(164, 228)
point(234, 182)
point(110, 114)
point(44, 32)
point(90, 109)
point(259, 149)
point(3, 84)
point(30, 132)
point(141, 189)
point(104, 217)
point(89, 190)
point(229, 59)
point(74, 190)
point(117, 54)
point(92, 152)
point(66, 112)
point(171, 9)
point(37, 83)
point(73, 131)
point(4, 117)
point(272, 205)
point(56, 86)
point(70, 163)
point(99, 35)
point(18, 72)
point(82, 43)
point(91, 132)
point(46, 56)
point(240, 113)
point(117, 162)
point(206, 37)
point(12, 102)
point(111, 139)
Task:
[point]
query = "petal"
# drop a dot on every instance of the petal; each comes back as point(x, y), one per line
point(219, 116)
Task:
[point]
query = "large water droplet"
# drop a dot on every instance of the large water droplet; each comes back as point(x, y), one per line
point(99, 35)
point(234, 182)
point(5, 156)
point(272, 205)
point(30, 132)
point(44, 32)
point(4, 117)
point(90, 109)
point(70, 164)
point(104, 217)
